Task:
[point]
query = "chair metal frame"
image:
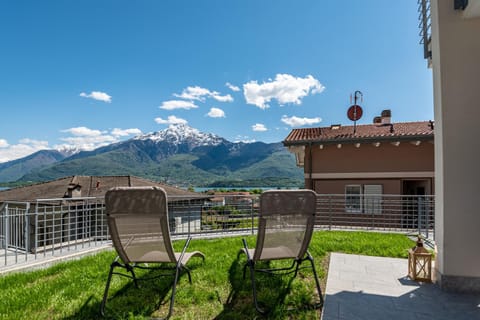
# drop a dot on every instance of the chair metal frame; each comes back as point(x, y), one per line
point(174, 265)
point(255, 255)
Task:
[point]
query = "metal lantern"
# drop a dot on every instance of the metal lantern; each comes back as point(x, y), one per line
point(420, 263)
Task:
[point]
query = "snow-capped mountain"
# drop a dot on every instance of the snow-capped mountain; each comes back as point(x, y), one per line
point(68, 151)
point(179, 154)
point(177, 134)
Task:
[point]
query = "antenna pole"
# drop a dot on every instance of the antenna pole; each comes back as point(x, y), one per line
point(356, 95)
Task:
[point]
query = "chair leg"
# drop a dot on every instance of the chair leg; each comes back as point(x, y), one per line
point(188, 274)
point(130, 269)
point(297, 267)
point(244, 270)
point(105, 293)
point(174, 290)
point(317, 282)
point(251, 266)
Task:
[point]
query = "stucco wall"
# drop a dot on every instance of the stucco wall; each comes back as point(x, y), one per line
point(368, 158)
point(456, 72)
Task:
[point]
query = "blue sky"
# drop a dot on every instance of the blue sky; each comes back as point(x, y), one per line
point(87, 73)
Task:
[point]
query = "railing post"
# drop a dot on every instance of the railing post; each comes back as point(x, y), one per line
point(370, 206)
point(251, 215)
point(432, 211)
point(330, 212)
point(53, 229)
point(6, 233)
point(189, 206)
point(26, 228)
point(419, 214)
point(35, 230)
point(88, 218)
point(427, 220)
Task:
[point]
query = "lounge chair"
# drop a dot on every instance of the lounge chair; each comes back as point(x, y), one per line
point(285, 228)
point(138, 224)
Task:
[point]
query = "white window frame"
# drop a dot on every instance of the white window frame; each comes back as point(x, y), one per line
point(355, 198)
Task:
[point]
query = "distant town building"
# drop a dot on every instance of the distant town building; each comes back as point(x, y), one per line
point(71, 209)
point(83, 186)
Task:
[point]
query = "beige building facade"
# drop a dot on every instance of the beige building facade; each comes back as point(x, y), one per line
point(455, 62)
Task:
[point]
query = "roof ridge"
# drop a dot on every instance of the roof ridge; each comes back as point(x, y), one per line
point(39, 183)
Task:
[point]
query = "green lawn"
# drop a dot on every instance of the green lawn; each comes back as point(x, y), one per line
point(74, 289)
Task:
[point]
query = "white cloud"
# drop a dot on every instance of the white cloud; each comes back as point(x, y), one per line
point(3, 143)
point(36, 144)
point(87, 139)
point(84, 138)
point(227, 98)
point(216, 113)
point(83, 132)
point(193, 93)
point(232, 87)
point(244, 139)
point(259, 127)
point(117, 132)
point(199, 93)
point(298, 122)
point(177, 104)
point(81, 138)
point(97, 95)
point(89, 142)
point(171, 120)
point(22, 149)
point(285, 89)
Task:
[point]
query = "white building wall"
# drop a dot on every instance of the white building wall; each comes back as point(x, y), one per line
point(456, 75)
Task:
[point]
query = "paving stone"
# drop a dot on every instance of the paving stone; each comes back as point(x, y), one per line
point(375, 288)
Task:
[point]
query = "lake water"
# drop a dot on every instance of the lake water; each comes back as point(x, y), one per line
point(223, 188)
point(239, 188)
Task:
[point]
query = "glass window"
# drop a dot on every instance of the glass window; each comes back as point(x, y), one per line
point(353, 200)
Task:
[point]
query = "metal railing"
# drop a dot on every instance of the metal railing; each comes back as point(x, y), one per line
point(46, 228)
point(393, 213)
point(425, 25)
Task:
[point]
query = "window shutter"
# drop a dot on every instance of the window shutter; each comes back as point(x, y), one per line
point(373, 198)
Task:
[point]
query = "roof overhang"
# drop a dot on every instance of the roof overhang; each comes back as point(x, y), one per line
point(472, 9)
point(360, 140)
point(298, 147)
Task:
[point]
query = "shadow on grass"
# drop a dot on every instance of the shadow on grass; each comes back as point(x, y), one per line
point(273, 292)
point(129, 302)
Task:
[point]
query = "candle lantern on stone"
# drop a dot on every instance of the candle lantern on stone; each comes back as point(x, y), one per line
point(420, 263)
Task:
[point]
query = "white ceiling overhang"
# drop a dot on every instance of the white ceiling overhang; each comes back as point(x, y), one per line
point(472, 10)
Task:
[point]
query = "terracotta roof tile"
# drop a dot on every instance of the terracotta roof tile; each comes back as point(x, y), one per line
point(91, 186)
point(363, 132)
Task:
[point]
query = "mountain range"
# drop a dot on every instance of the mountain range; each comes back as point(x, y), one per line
point(179, 155)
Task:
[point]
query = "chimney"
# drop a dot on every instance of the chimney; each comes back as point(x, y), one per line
point(377, 120)
point(74, 191)
point(386, 116)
